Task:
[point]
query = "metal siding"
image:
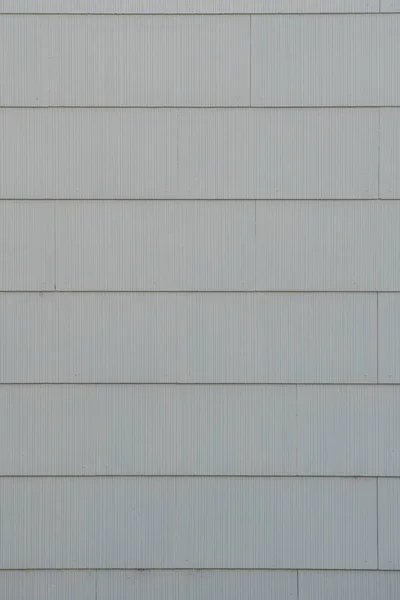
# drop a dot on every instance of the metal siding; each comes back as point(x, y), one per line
point(48, 585)
point(26, 245)
point(197, 585)
point(183, 6)
point(149, 61)
point(174, 245)
point(277, 338)
point(278, 153)
point(348, 430)
point(389, 153)
point(23, 61)
point(347, 585)
point(389, 523)
point(390, 5)
point(333, 60)
point(88, 153)
point(388, 338)
point(147, 430)
point(188, 523)
point(328, 246)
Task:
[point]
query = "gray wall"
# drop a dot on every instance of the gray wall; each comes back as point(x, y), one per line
point(200, 299)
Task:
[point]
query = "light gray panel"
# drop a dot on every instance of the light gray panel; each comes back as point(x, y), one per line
point(141, 245)
point(315, 60)
point(277, 338)
point(390, 5)
point(48, 585)
point(328, 246)
point(389, 153)
point(188, 6)
point(147, 430)
point(188, 523)
point(388, 338)
point(348, 585)
point(23, 61)
point(389, 52)
point(26, 245)
point(81, 153)
point(348, 430)
point(389, 523)
point(150, 61)
point(278, 153)
point(197, 585)
point(87, 337)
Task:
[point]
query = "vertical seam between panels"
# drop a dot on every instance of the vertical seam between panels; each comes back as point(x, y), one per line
point(250, 63)
point(377, 523)
point(379, 153)
point(377, 337)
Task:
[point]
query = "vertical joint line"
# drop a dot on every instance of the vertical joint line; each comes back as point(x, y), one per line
point(250, 59)
point(177, 153)
point(297, 583)
point(379, 153)
point(255, 245)
point(54, 245)
point(377, 523)
point(377, 337)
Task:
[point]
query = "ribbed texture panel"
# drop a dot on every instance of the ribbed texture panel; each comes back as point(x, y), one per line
point(176, 245)
point(364, 585)
point(388, 338)
point(48, 585)
point(196, 585)
point(147, 430)
point(80, 153)
point(348, 430)
point(279, 153)
point(151, 61)
point(389, 153)
point(390, 6)
point(188, 523)
point(322, 246)
point(389, 523)
point(26, 245)
point(190, 6)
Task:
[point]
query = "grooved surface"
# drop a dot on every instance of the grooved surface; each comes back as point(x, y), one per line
point(390, 5)
point(177, 245)
point(48, 585)
point(347, 585)
point(26, 245)
point(278, 153)
point(389, 523)
point(390, 153)
point(147, 430)
point(389, 339)
point(188, 523)
point(328, 246)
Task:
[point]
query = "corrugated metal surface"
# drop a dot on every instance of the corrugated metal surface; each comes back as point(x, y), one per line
point(147, 430)
point(348, 430)
point(80, 153)
point(390, 5)
point(388, 338)
point(322, 246)
point(347, 585)
point(279, 153)
point(262, 338)
point(389, 523)
point(188, 523)
point(196, 585)
point(48, 585)
point(389, 153)
point(162, 245)
point(26, 245)
point(151, 61)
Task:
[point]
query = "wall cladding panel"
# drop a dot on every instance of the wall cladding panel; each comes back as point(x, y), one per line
point(388, 338)
point(389, 523)
point(347, 585)
point(389, 153)
point(46, 585)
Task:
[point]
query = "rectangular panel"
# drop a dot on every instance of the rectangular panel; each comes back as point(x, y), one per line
point(185, 6)
point(389, 153)
point(348, 430)
point(48, 585)
point(389, 523)
point(149, 61)
point(277, 338)
point(141, 245)
point(197, 585)
point(390, 5)
point(347, 585)
point(26, 245)
point(147, 430)
point(328, 246)
point(81, 153)
point(278, 153)
point(315, 60)
point(388, 338)
point(24, 68)
point(88, 338)
point(188, 523)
